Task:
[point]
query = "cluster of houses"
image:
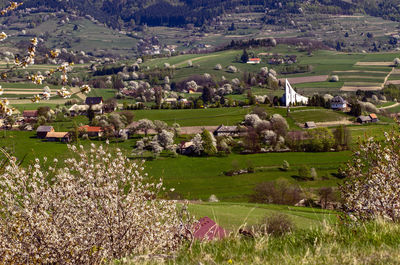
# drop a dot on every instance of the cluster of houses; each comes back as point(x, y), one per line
point(187, 148)
point(279, 59)
point(49, 134)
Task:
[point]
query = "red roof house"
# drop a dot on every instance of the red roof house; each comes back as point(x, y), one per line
point(254, 61)
point(91, 131)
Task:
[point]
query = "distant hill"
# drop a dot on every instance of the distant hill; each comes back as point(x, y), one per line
point(123, 13)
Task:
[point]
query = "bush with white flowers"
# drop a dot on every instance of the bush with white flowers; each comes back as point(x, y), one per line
point(91, 208)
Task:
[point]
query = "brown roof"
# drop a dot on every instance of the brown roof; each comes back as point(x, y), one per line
point(30, 113)
point(56, 134)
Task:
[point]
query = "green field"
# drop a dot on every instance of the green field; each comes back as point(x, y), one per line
point(195, 117)
point(198, 178)
point(317, 115)
point(233, 215)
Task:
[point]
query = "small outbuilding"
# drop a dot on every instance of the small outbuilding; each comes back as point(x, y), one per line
point(41, 131)
point(364, 119)
point(254, 61)
point(310, 125)
point(223, 130)
point(64, 137)
point(374, 117)
point(30, 115)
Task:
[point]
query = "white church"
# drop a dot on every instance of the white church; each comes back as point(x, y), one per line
point(291, 97)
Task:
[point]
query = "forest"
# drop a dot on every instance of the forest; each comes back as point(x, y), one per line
point(173, 13)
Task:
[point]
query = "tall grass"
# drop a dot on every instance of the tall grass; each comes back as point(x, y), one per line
point(371, 243)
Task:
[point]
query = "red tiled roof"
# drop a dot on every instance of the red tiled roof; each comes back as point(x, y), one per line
point(88, 128)
point(373, 116)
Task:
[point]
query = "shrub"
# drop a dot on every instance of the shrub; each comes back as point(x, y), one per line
point(276, 224)
point(305, 173)
point(213, 198)
point(278, 192)
point(334, 78)
point(285, 166)
point(94, 207)
point(232, 69)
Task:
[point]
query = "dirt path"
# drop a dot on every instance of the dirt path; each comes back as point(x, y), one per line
point(387, 77)
point(199, 59)
point(391, 106)
point(77, 90)
point(353, 88)
point(374, 64)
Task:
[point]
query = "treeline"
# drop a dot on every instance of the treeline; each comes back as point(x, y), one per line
point(177, 13)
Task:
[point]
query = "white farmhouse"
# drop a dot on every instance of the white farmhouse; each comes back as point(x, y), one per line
point(291, 97)
point(338, 103)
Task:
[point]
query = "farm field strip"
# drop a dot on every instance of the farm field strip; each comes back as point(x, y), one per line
point(364, 88)
point(306, 79)
point(374, 64)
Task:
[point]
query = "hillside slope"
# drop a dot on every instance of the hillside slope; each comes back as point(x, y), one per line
point(118, 13)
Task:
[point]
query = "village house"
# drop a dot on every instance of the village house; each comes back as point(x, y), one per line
point(310, 125)
point(76, 109)
point(64, 137)
point(91, 131)
point(170, 100)
point(254, 61)
point(41, 131)
point(223, 130)
point(95, 103)
point(364, 119)
point(30, 115)
point(186, 148)
point(338, 103)
point(373, 117)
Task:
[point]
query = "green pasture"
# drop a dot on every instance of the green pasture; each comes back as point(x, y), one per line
point(105, 93)
point(199, 177)
point(317, 115)
point(231, 216)
point(195, 117)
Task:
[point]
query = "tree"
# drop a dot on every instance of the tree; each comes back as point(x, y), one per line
point(165, 139)
point(338, 46)
point(232, 27)
point(285, 166)
point(197, 144)
point(208, 94)
point(356, 109)
point(209, 143)
point(245, 56)
point(304, 172)
point(118, 121)
point(145, 125)
point(342, 137)
point(74, 132)
point(371, 187)
point(83, 210)
point(252, 141)
point(279, 125)
point(129, 116)
point(159, 126)
point(326, 194)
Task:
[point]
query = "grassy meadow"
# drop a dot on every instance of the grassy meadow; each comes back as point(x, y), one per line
point(232, 216)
